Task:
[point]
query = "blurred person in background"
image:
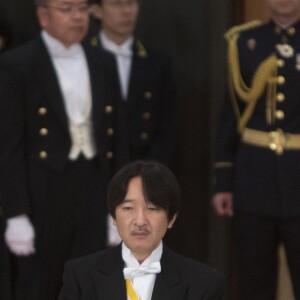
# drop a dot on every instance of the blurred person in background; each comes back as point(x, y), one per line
point(58, 111)
point(257, 160)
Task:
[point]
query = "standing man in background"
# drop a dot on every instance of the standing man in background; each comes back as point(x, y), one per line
point(258, 149)
point(58, 113)
point(144, 81)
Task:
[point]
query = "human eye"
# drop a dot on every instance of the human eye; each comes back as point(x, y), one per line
point(66, 8)
point(83, 7)
point(153, 208)
point(127, 208)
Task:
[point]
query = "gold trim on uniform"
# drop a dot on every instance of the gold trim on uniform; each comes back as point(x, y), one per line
point(264, 79)
point(277, 141)
point(280, 63)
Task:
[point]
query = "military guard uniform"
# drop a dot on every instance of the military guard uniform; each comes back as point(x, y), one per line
point(150, 104)
point(64, 196)
point(258, 152)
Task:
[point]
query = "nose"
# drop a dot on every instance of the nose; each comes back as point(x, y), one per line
point(141, 217)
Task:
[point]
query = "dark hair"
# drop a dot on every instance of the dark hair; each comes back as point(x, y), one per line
point(40, 2)
point(160, 186)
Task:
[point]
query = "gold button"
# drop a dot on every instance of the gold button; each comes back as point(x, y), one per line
point(110, 131)
point(144, 136)
point(109, 155)
point(279, 114)
point(277, 30)
point(43, 131)
point(280, 63)
point(43, 155)
point(146, 116)
point(148, 95)
point(42, 111)
point(109, 109)
point(291, 31)
point(280, 80)
point(280, 97)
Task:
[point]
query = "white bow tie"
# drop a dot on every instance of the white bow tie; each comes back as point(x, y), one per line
point(132, 272)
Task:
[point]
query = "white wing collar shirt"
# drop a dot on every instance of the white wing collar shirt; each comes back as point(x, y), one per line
point(142, 275)
point(123, 54)
point(73, 75)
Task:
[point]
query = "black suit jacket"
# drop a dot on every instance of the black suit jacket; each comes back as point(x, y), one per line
point(150, 104)
point(31, 101)
point(100, 277)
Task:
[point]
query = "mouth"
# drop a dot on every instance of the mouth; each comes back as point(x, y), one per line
point(140, 233)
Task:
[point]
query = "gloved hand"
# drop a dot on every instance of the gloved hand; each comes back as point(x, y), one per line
point(113, 237)
point(19, 236)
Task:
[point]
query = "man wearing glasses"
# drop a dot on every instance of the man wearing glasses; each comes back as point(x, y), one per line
point(58, 114)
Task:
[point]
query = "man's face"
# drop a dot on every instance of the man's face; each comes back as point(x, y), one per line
point(140, 224)
point(119, 17)
point(65, 20)
point(284, 8)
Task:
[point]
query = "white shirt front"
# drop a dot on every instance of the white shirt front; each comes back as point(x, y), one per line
point(144, 284)
point(123, 54)
point(73, 76)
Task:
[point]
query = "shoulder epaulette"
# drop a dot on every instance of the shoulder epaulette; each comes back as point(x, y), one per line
point(239, 28)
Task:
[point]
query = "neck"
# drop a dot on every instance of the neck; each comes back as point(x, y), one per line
point(117, 39)
point(286, 21)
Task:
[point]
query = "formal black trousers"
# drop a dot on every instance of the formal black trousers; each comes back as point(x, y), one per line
point(70, 221)
point(256, 242)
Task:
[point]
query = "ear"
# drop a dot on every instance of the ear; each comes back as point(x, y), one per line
point(172, 221)
point(43, 17)
point(114, 222)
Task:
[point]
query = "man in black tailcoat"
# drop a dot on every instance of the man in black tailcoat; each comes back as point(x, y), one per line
point(58, 116)
point(143, 200)
point(145, 81)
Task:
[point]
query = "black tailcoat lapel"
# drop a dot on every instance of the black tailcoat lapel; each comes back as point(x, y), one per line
point(46, 74)
point(108, 277)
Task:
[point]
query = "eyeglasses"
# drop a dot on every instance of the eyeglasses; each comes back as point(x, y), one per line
point(121, 3)
point(69, 9)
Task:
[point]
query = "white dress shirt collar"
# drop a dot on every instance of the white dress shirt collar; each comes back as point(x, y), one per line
point(57, 49)
point(143, 284)
point(125, 49)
